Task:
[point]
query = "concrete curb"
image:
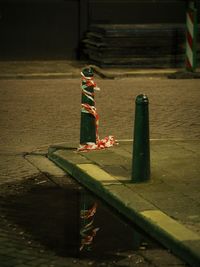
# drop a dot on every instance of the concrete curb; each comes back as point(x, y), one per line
point(40, 76)
point(126, 73)
point(182, 241)
point(106, 74)
point(184, 75)
point(71, 69)
point(118, 73)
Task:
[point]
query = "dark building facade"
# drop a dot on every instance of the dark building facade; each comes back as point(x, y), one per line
point(53, 29)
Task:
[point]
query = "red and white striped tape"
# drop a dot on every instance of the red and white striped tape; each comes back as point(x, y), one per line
point(190, 38)
point(106, 142)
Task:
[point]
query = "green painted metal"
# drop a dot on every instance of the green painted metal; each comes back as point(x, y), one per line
point(141, 145)
point(88, 124)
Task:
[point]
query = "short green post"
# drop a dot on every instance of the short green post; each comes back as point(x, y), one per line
point(141, 145)
point(88, 122)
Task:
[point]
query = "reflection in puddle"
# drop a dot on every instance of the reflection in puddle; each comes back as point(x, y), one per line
point(87, 229)
point(73, 222)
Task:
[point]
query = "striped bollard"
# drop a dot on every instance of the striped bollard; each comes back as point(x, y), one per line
point(191, 36)
point(88, 122)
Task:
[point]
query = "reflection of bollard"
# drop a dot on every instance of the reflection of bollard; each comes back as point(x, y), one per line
point(88, 230)
point(88, 122)
point(141, 147)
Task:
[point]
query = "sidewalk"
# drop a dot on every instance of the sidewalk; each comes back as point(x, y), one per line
point(167, 207)
point(71, 69)
point(40, 69)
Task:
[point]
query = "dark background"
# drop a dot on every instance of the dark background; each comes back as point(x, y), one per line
point(53, 29)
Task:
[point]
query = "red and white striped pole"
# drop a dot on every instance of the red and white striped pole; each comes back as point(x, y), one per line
point(191, 36)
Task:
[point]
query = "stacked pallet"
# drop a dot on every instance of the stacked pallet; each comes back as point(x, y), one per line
point(137, 46)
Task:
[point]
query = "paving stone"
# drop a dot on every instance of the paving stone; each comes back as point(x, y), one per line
point(38, 113)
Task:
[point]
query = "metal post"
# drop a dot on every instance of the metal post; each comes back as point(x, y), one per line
point(141, 145)
point(191, 36)
point(88, 122)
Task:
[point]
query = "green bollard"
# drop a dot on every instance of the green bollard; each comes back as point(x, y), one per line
point(88, 122)
point(141, 145)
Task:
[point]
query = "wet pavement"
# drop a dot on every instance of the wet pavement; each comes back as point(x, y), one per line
point(40, 226)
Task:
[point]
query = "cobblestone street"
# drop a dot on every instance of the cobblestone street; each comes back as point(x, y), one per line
point(36, 113)
point(40, 112)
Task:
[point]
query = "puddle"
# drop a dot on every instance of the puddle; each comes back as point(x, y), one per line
point(72, 222)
